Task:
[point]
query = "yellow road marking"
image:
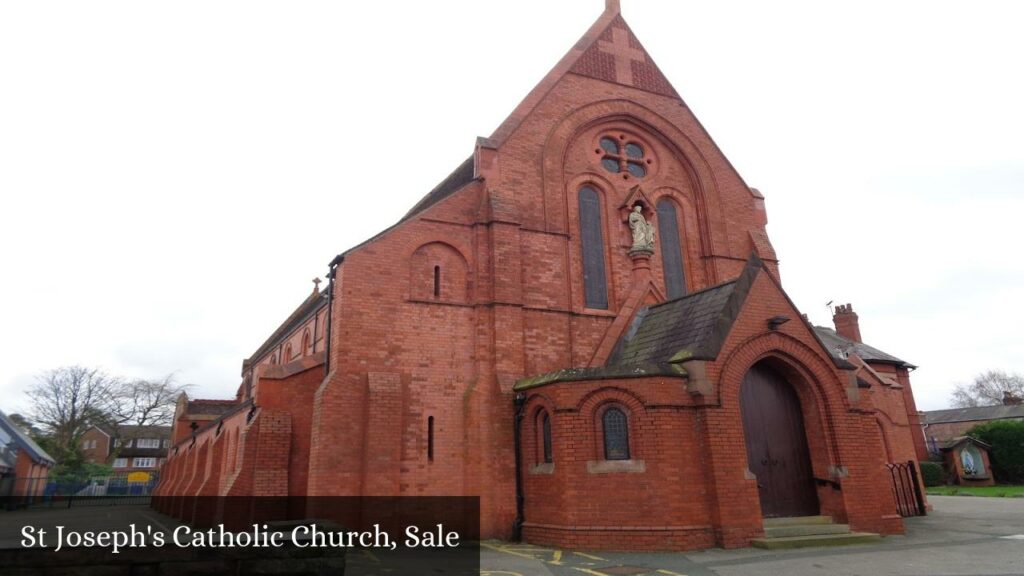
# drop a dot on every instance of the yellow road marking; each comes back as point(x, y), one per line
point(589, 571)
point(670, 573)
point(556, 558)
point(512, 552)
point(589, 556)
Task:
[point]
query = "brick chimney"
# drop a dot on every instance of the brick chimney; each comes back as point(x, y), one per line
point(846, 322)
point(1010, 399)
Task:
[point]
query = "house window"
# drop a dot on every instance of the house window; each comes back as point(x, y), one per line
point(306, 343)
point(595, 283)
point(120, 462)
point(288, 353)
point(117, 442)
point(616, 434)
point(144, 463)
point(671, 249)
point(147, 443)
point(621, 156)
point(437, 281)
point(545, 427)
point(164, 443)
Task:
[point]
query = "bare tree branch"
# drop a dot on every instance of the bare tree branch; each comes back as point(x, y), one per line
point(988, 389)
point(66, 401)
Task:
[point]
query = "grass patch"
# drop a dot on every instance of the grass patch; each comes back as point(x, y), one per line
point(991, 491)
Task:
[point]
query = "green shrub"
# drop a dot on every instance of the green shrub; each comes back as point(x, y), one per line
point(933, 474)
point(1006, 438)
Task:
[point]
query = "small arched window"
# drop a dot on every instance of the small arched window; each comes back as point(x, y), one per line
point(616, 434)
point(306, 340)
point(671, 249)
point(545, 435)
point(437, 281)
point(288, 353)
point(595, 282)
point(273, 359)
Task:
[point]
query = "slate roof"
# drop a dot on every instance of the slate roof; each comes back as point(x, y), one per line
point(23, 441)
point(306, 310)
point(688, 323)
point(460, 177)
point(973, 414)
point(839, 347)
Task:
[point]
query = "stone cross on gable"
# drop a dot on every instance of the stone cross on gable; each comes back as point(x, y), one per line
point(624, 55)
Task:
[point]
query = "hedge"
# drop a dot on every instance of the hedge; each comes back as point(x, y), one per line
point(1006, 438)
point(933, 474)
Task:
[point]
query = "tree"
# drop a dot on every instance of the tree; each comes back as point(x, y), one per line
point(1006, 438)
point(69, 400)
point(988, 389)
point(146, 402)
point(66, 401)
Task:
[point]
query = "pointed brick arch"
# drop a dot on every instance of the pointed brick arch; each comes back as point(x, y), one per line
point(632, 117)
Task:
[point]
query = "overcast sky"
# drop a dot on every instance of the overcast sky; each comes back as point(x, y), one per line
point(174, 174)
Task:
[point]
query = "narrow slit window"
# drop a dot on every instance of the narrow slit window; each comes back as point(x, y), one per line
point(430, 438)
point(545, 424)
point(437, 281)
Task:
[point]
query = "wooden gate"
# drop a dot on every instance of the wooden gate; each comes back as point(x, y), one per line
point(906, 489)
point(777, 444)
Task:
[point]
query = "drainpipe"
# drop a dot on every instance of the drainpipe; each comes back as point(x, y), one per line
point(330, 309)
point(517, 527)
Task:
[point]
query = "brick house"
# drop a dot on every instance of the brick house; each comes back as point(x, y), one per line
point(24, 466)
point(130, 449)
point(943, 426)
point(585, 326)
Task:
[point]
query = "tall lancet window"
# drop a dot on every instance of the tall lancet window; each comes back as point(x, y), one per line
point(671, 249)
point(595, 283)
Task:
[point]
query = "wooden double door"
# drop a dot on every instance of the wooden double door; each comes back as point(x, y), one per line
point(777, 451)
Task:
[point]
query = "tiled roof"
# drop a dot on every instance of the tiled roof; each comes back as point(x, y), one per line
point(694, 326)
point(973, 414)
point(460, 177)
point(687, 323)
point(306, 310)
point(211, 407)
point(22, 441)
point(839, 347)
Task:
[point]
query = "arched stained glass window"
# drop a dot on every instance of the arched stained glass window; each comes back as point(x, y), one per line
point(671, 249)
point(595, 283)
point(616, 434)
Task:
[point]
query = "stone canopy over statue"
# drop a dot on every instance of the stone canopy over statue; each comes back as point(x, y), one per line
point(643, 231)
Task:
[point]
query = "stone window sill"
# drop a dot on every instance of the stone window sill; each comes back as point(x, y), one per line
point(547, 468)
point(616, 467)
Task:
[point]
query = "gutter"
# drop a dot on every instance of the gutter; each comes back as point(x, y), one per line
point(517, 526)
point(330, 309)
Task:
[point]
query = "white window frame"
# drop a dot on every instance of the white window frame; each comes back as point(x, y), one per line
point(120, 463)
point(147, 443)
point(142, 462)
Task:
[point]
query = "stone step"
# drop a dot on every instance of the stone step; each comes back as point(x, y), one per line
point(815, 541)
point(786, 531)
point(797, 520)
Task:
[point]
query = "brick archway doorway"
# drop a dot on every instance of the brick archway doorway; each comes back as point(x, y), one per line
point(777, 450)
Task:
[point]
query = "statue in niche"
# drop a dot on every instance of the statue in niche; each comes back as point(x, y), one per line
point(643, 231)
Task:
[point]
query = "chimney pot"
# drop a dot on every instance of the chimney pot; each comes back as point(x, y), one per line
point(846, 322)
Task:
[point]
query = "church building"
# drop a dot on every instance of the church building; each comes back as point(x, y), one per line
point(585, 326)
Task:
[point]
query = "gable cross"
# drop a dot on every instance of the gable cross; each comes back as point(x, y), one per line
point(624, 55)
